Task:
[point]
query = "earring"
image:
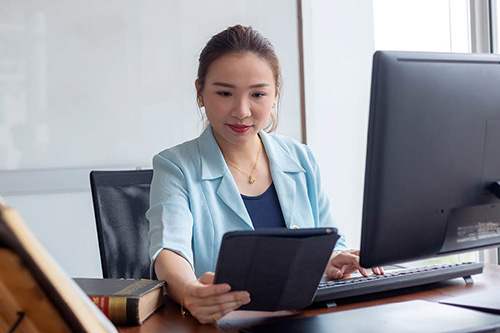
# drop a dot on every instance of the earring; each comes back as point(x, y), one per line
point(200, 103)
point(274, 105)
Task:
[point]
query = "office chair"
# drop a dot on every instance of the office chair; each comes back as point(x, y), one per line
point(121, 199)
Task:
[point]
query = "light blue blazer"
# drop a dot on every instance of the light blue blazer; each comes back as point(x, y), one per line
point(194, 200)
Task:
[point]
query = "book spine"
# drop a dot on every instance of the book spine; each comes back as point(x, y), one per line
point(120, 310)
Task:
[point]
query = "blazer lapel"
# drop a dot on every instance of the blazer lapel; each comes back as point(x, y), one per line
point(214, 169)
point(228, 192)
point(285, 172)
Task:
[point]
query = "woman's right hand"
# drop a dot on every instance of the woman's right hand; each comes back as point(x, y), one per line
point(209, 302)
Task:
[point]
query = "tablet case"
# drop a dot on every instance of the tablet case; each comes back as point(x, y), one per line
point(280, 268)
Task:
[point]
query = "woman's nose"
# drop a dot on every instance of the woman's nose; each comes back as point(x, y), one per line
point(241, 109)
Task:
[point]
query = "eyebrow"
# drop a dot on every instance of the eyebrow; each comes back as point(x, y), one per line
point(228, 85)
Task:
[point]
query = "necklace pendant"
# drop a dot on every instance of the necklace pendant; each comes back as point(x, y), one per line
point(251, 180)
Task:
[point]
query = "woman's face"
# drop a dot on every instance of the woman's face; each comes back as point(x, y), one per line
point(238, 96)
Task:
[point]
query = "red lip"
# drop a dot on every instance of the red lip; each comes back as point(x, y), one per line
point(239, 128)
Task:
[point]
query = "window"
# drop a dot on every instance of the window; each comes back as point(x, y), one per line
point(422, 25)
point(495, 31)
point(429, 26)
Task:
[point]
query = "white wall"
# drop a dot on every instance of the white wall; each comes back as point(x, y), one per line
point(98, 85)
point(339, 44)
point(106, 84)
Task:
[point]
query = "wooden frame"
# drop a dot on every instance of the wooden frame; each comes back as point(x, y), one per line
point(35, 294)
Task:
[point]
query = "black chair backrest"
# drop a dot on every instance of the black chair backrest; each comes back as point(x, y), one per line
point(121, 199)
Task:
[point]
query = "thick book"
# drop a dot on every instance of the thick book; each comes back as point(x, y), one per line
point(280, 268)
point(124, 301)
point(36, 295)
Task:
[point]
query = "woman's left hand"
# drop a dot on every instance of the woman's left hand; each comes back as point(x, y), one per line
point(346, 262)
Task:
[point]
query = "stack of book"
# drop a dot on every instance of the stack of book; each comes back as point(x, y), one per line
point(124, 301)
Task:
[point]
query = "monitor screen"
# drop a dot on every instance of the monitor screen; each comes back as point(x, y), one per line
point(433, 155)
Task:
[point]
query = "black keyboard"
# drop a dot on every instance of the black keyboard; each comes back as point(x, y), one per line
point(397, 279)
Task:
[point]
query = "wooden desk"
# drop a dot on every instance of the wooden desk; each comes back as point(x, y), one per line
point(169, 319)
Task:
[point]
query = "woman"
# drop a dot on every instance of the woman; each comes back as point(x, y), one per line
point(235, 176)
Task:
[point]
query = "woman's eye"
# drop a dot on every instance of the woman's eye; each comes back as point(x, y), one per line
point(258, 95)
point(224, 93)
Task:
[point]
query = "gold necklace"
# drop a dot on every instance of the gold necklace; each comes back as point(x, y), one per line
point(251, 178)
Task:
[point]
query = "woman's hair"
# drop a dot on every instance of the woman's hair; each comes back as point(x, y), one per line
point(239, 39)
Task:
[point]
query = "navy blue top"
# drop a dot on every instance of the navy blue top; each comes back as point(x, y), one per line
point(265, 210)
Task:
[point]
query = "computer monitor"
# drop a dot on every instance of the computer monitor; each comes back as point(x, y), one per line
point(433, 156)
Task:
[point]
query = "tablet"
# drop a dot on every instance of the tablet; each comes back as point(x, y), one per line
point(280, 268)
